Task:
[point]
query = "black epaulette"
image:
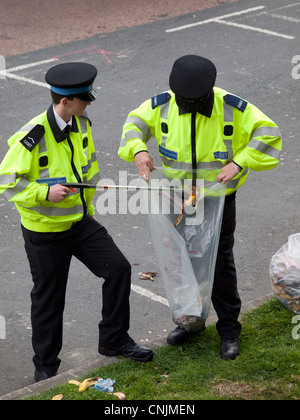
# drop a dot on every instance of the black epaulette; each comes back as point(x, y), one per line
point(33, 138)
point(160, 99)
point(236, 102)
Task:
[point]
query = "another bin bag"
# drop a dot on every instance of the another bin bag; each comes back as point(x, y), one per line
point(285, 273)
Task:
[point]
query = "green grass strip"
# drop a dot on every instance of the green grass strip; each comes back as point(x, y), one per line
point(267, 369)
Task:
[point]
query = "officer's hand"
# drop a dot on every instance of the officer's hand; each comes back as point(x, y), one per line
point(57, 193)
point(228, 172)
point(144, 163)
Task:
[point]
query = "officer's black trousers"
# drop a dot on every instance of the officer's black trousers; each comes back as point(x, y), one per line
point(225, 297)
point(49, 256)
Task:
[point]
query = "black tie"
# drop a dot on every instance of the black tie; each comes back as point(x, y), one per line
point(67, 130)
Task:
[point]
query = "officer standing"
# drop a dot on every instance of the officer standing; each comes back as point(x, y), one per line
point(200, 126)
point(58, 223)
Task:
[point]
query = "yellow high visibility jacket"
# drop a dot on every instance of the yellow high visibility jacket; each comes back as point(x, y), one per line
point(235, 131)
point(40, 155)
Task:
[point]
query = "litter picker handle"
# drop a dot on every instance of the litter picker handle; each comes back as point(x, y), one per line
point(78, 185)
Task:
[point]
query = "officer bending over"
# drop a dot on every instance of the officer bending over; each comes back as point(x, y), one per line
point(200, 126)
point(54, 148)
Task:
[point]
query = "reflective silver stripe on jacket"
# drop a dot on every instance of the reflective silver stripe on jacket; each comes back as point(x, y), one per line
point(27, 127)
point(88, 168)
point(42, 145)
point(8, 179)
point(56, 211)
point(133, 134)
point(92, 159)
point(228, 113)
point(164, 114)
point(228, 118)
point(184, 166)
point(95, 179)
point(262, 147)
point(89, 164)
point(208, 166)
point(145, 134)
point(164, 110)
point(44, 172)
point(21, 186)
point(83, 125)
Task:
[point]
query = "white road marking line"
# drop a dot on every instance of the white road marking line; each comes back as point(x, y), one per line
point(180, 28)
point(150, 295)
point(23, 79)
point(288, 18)
point(9, 72)
point(255, 29)
point(27, 66)
point(190, 25)
point(289, 5)
point(221, 20)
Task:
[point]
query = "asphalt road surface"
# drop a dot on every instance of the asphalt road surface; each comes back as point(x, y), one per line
point(255, 47)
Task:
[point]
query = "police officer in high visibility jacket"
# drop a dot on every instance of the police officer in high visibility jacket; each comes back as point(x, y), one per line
point(54, 148)
point(200, 126)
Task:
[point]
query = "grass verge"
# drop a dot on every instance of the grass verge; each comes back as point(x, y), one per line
point(267, 369)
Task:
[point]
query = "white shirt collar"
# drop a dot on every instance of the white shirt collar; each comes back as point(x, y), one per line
point(60, 122)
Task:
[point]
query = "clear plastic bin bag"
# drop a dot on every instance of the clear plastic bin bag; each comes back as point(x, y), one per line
point(285, 273)
point(186, 253)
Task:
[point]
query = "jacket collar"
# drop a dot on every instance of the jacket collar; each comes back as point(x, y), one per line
point(58, 134)
point(207, 110)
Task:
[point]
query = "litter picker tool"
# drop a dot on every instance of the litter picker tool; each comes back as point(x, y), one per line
point(74, 185)
point(188, 197)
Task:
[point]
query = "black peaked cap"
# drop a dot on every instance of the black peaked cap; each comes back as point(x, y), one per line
point(71, 75)
point(192, 76)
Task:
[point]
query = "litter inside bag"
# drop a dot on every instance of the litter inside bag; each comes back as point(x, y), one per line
point(285, 273)
point(185, 223)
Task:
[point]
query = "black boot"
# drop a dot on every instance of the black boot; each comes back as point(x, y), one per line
point(178, 336)
point(230, 349)
point(42, 376)
point(128, 349)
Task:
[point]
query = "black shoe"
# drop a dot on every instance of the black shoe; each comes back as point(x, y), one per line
point(130, 350)
point(230, 349)
point(178, 336)
point(42, 376)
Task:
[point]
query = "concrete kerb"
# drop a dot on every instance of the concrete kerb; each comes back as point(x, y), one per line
point(89, 366)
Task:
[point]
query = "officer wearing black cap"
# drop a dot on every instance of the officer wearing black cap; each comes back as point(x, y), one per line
point(193, 77)
point(53, 149)
point(74, 79)
point(199, 126)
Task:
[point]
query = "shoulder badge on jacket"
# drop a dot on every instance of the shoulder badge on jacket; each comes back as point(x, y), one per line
point(160, 99)
point(236, 102)
point(33, 138)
